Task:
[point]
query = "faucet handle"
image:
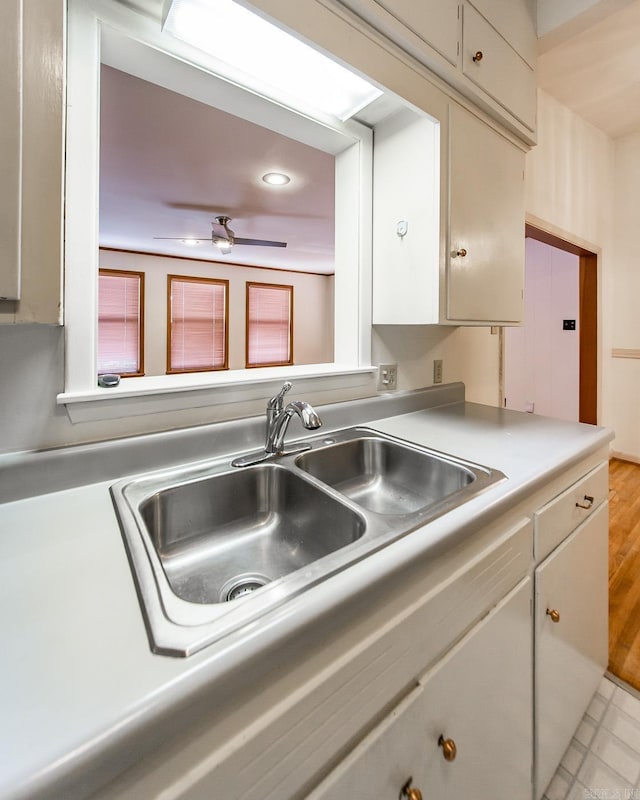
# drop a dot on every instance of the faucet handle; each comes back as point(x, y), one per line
point(276, 401)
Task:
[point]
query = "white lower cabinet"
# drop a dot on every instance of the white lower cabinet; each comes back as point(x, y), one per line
point(464, 731)
point(571, 638)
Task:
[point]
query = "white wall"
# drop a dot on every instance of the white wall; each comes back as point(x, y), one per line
point(542, 361)
point(625, 324)
point(470, 355)
point(552, 13)
point(312, 301)
point(570, 191)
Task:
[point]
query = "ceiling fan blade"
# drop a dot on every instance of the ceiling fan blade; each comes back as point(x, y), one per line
point(182, 238)
point(258, 242)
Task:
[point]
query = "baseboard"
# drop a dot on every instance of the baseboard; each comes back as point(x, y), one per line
point(625, 456)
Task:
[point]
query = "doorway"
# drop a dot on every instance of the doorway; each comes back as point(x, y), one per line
point(550, 363)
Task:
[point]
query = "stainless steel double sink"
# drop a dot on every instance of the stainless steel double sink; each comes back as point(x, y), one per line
point(213, 547)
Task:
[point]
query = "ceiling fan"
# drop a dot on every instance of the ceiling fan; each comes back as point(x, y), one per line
point(224, 238)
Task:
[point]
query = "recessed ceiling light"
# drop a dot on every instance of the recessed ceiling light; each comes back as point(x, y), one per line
point(276, 178)
point(190, 242)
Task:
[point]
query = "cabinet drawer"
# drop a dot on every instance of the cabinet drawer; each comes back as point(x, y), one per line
point(499, 71)
point(555, 521)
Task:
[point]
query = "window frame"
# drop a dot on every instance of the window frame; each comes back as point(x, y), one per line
point(196, 279)
point(104, 31)
point(280, 286)
point(107, 271)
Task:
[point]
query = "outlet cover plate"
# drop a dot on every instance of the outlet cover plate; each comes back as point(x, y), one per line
point(387, 377)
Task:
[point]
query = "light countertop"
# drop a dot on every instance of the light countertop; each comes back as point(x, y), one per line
point(80, 684)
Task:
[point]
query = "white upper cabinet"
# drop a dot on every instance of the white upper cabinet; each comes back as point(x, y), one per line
point(485, 49)
point(494, 66)
point(515, 21)
point(406, 215)
point(448, 221)
point(429, 22)
point(10, 147)
point(485, 259)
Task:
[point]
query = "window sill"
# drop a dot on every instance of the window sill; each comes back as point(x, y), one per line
point(165, 393)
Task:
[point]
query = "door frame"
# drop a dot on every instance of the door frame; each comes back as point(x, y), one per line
point(589, 256)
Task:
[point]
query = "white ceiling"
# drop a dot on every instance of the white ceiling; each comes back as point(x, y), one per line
point(592, 65)
point(170, 164)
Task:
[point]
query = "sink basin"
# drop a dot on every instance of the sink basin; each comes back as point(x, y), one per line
point(223, 536)
point(213, 548)
point(384, 476)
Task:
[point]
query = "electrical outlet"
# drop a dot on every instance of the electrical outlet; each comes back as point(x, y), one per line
point(437, 370)
point(387, 377)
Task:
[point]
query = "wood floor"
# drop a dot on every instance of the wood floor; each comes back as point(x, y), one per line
point(624, 571)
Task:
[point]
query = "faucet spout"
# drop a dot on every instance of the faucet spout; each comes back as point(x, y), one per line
point(278, 430)
point(278, 419)
point(307, 414)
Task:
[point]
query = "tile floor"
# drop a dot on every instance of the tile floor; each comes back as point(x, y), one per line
point(603, 759)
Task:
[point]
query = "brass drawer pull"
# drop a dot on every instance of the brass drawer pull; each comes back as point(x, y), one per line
point(449, 749)
point(587, 504)
point(461, 252)
point(554, 614)
point(409, 792)
point(478, 56)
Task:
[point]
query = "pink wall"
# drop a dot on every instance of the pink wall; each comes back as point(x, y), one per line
point(542, 364)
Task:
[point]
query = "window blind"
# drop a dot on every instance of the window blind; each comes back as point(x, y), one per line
point(198, 324)
point(269, 325)
point(119, 322)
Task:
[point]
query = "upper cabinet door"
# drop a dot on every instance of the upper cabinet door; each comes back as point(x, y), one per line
point(485, 263)
point(494, 66)
point(408, 22)
point(515, 21)
point(10, 146)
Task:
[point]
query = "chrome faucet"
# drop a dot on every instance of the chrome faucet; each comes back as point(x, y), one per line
point(274, 409)
point(278, 418)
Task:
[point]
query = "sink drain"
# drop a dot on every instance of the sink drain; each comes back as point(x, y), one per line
point(242, 585)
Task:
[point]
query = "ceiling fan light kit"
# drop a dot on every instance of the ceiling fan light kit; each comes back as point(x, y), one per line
point(224, 238)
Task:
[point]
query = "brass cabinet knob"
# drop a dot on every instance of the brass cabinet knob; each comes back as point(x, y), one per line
point(478, 56)
point(410, 792)
point(449, 749)
point(588, 502)
point(555, 615)
point(461, 252)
